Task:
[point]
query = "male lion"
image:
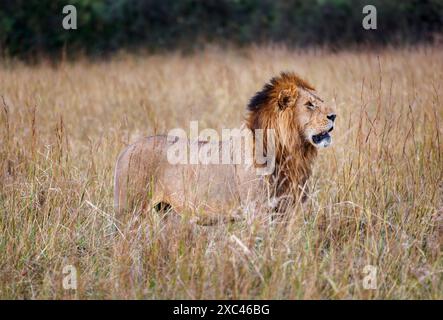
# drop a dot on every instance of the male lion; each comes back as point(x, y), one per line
point(288, 105)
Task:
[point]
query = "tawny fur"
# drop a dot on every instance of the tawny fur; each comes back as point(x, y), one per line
point(287, 104)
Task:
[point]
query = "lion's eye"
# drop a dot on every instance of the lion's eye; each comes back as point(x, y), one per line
point(310, 105)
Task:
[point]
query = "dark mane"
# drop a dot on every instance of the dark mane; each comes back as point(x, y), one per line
point(285, 79)
point(261, 97)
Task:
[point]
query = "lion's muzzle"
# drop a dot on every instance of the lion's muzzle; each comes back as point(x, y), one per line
point(323, 139)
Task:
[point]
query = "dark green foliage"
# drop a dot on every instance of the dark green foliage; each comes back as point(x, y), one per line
point(28, 27)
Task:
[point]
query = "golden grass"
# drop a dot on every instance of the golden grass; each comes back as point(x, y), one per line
point(377, 193)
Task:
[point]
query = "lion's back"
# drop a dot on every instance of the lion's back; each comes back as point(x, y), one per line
point(136, 166)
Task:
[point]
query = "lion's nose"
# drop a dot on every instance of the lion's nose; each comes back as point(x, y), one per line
point(331, 116)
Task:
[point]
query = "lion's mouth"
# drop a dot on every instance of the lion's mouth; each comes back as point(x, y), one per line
point(322, 136)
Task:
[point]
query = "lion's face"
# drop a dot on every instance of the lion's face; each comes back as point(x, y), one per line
point(314, 118)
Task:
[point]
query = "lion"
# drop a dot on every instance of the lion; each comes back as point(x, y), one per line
point(287, 105)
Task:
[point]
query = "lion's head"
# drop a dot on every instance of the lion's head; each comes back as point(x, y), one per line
point(301, 122)
point(291, 106)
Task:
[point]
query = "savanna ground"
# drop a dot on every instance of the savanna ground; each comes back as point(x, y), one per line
point(377, 193)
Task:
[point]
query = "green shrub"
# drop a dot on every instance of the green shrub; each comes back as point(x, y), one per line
point(28, 27)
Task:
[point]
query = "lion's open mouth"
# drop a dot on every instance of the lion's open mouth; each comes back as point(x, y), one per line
point(322, 136)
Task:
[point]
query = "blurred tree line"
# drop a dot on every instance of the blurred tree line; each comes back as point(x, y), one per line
point(29, 27)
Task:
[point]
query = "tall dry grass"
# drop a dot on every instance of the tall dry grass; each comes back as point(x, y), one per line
point(376, 194)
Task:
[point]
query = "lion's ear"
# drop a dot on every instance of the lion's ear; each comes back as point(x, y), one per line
point(287, 98)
